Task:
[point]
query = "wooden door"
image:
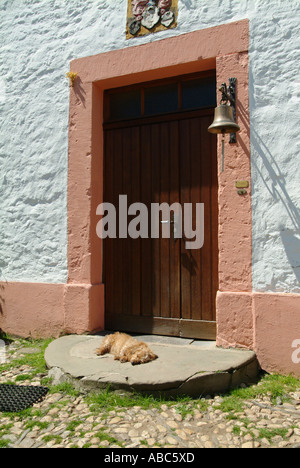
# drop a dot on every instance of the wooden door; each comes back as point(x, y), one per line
point(157, 285)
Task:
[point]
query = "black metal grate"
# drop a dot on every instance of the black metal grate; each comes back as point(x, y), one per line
point(15, 398)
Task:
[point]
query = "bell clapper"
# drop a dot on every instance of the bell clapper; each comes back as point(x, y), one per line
point(223, 152)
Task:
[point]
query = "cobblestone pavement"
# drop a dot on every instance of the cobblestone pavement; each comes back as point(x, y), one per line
point(63, 420)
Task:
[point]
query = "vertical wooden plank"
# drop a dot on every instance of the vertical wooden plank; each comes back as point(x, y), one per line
point(185, 182)
point(215, 222)
point(136, 243)
point(146, 245)
point(155, 144)
point(125, 259)
point(165, 242)
point(195, 254)
point(206, 199)
point(108, 270)
point(175, 268)
point(118, 243)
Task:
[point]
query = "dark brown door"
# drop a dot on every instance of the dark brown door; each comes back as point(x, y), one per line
point(157, 285)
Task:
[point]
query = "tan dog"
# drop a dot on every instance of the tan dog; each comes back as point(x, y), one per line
point(125, 348)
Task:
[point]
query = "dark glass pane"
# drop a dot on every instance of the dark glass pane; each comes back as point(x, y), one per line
point(125, 105)
point(161, 99)
point(199, 93)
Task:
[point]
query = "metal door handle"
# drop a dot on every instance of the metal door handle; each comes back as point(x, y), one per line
point(168, 221)
point(171, 221)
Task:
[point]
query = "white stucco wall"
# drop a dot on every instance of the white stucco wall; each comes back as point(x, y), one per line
point(38, 38)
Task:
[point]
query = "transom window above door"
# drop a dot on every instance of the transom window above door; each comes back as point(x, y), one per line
point(179, 94)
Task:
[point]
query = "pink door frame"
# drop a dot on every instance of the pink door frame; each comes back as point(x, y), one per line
point(224, 48)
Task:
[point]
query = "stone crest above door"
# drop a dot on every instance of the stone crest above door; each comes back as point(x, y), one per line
point(148, 16)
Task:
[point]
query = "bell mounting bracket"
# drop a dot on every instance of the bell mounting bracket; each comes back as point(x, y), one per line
point(228, 95)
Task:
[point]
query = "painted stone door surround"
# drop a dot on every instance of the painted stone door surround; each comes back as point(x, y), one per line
point(224, 48)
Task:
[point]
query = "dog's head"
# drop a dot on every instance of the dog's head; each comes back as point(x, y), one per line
point(141, 356)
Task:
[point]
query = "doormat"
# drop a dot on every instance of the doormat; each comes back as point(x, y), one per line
point(15, 398)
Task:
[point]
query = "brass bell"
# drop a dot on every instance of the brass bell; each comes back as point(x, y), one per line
point(223, 121)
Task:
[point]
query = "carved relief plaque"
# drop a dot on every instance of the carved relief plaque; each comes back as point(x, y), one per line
point(148, 16)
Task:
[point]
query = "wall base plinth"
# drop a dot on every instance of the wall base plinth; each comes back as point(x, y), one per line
point(43, 310)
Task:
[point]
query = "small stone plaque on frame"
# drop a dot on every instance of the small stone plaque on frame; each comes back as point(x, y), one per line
point(149, 16)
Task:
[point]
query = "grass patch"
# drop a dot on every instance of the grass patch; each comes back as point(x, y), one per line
point(236, 430)
point(4, 443)
point(39, 424)
point(144, 442)
point(35, 360)
point(185, 405)
point(72, 426)
point(270, 385)
point(5, 337)
point(108, 400)
point(4, 429)
point(102, 435)
point(21, 415)
point(270, 433)
point(65, 387)
point(22, 377)
point(57, 438)
point(231, 404)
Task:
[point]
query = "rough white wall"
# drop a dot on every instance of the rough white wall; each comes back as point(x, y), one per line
point(38, 38)
point(275, 147)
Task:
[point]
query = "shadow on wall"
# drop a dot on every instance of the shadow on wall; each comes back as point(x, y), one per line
point(291, 243)
point(2, 300)
point(79, 90)
point(277, 188)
